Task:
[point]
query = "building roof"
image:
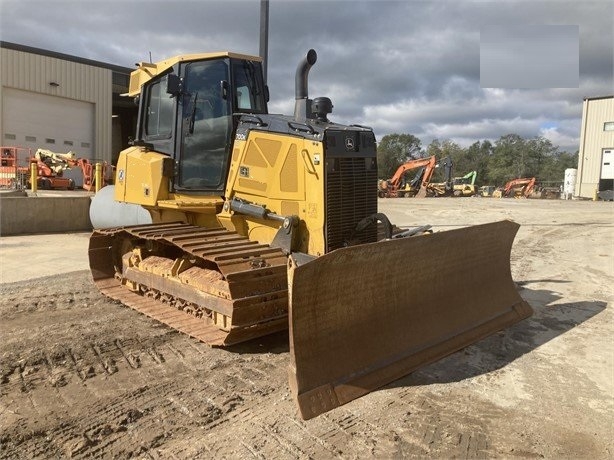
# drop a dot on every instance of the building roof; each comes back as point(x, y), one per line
point(598, 97)
point(65, 57)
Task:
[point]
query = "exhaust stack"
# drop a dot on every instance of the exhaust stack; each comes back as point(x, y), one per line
point(302, 104)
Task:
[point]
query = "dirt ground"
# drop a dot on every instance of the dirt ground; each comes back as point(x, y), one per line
point(83, 376)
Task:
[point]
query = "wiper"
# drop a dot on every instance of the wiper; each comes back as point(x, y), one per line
point(193, 114)
point(249, 68)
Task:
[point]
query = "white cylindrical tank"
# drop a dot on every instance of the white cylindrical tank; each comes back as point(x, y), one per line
point(105, 212)
point(569, 184)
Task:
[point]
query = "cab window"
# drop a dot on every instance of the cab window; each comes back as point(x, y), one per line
point(249, 93)
point(158, 112)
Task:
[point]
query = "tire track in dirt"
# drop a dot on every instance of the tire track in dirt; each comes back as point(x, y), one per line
point(432, 424)
point(210, 405)
point(85, 377)
point(141, 389)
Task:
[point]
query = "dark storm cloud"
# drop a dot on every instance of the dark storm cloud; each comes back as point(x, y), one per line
point(398, 66)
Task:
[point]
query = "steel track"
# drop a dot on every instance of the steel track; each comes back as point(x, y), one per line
point(250, 294)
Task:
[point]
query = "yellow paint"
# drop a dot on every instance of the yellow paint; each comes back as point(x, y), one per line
point(281, 173)
point(34, 177)
point(98, 177)
point(139, 177)
point(147, 70)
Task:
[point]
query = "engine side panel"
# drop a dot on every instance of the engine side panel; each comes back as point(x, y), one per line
point(325, 174)
point(284, 174)
point(141, 177)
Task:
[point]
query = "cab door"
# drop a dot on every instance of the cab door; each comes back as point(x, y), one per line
point(206, 126)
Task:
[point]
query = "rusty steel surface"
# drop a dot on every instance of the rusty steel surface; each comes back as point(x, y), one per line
point(234, 289)
point(352, 328)
point(364, 316)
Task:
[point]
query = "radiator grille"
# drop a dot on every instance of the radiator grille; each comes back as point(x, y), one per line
point(351, 195)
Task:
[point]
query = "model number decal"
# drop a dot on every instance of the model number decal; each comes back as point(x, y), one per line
point(243, 171)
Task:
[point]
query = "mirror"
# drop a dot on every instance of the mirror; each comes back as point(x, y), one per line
point(173, 84)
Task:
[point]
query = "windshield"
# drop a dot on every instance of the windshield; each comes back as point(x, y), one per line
point(212, 91)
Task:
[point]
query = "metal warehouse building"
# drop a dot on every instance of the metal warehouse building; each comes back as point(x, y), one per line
point(596, 156)
point(63, 103)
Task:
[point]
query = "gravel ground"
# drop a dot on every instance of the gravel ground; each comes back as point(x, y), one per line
point(83, 376)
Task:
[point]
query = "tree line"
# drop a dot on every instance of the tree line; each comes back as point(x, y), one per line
point(509, 157)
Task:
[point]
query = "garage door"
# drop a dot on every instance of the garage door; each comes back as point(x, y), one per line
point(37, 120)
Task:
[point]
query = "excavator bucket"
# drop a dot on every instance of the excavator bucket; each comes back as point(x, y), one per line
point(364, 316)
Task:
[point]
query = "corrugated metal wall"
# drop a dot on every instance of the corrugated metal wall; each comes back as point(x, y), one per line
point(593, 139)
point(33, 72)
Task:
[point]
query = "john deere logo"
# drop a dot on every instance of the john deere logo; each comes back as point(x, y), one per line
point(349, 143)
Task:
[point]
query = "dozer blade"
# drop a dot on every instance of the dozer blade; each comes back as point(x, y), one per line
point(364, 316)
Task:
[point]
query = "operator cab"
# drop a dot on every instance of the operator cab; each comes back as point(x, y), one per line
point(187, 113)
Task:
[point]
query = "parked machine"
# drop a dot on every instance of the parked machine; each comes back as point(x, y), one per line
point(547, 192)
point(50, 169)
point(14, 163)
point(465, 185)
point(517, 188)
point(263, 222)
point(398, 187)
point(486, 190)
point(435, 189)
point(89, 173)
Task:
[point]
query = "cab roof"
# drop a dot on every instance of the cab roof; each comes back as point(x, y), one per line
point(146, 70)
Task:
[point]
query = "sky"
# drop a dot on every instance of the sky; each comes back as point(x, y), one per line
point(407, 66)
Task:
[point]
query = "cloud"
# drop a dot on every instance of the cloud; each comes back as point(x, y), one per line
point(490, 114)
point(407, 66)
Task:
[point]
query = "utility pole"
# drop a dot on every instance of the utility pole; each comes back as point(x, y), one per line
point(264, 36)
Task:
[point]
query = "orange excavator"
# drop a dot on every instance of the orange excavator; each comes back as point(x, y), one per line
point(517, 188)
point(397, 187)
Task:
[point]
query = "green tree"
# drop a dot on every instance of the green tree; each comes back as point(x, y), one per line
point(394, 150)
point(539, 151)
point(477, 157)
point(552, 170)
point(515, 157)
point(507, 160)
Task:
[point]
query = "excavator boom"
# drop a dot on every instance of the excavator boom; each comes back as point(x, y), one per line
point(391, 187)
point(522, 187)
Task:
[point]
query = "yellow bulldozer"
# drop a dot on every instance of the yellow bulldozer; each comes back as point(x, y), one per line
point(256, 223)
point(465, 185)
